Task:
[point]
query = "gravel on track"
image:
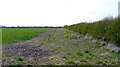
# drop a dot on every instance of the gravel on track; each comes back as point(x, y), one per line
point(25, 51)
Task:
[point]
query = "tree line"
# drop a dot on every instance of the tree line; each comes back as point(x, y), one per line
point(29, 27)
point(107, 28)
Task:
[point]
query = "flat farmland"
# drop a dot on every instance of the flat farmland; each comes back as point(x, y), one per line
point(14, 35)
point(54, 46)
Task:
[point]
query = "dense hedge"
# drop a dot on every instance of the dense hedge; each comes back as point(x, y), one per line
point(107, 28)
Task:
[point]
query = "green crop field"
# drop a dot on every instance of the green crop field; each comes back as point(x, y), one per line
point(14, 35)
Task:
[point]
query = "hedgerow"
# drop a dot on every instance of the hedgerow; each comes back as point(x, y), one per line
point(107, 28)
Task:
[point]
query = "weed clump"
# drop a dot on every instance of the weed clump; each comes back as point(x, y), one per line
point(98, 62)
point(19, 62)
point(79, 54)
point(88, 57)
point(65, 57)
point(19, 58)
point(87, 51)
point(69, 53)
point(99, 45)
point(83, 60)
point(73, 36)
point(92, 55)
point(71, 62)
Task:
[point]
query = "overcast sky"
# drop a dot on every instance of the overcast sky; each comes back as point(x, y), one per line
point(54, 12)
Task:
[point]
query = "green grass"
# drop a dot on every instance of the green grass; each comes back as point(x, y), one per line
point(14, 35)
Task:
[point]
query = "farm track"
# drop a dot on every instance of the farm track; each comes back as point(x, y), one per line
point(59, 47)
